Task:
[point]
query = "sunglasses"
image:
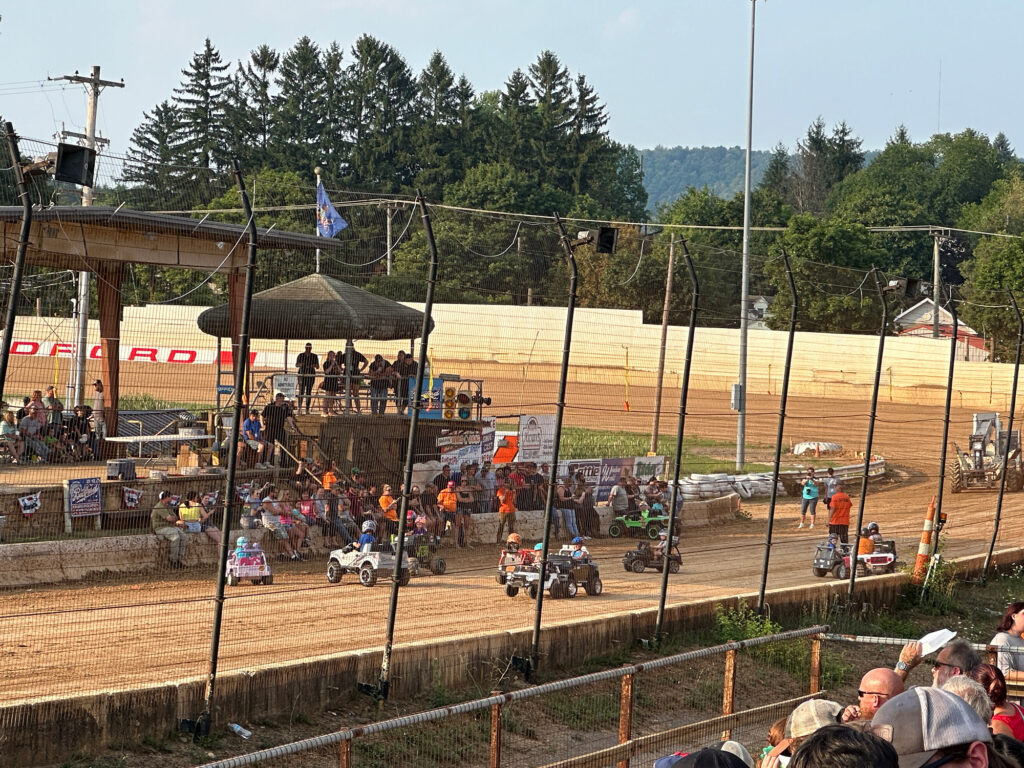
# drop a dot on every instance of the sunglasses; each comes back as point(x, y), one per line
point(936, 664)
point(862, 694)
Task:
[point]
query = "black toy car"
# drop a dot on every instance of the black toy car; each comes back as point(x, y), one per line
point(645, 556)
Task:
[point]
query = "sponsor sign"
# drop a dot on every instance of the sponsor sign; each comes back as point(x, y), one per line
point(287, 384)
point(174, 355)
point(83, 497)
point(536, 438)
point(611, 471)
point(646, 466)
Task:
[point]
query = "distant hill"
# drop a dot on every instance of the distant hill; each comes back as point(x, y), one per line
point(669, 171)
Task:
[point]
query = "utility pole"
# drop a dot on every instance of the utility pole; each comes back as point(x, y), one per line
point(935, 285)
point(94, 85)
point(317, 171)
point(664, 343)
point(739, 392)
point(390, 245)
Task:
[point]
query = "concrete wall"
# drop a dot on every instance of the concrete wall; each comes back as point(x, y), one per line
point(485, 341)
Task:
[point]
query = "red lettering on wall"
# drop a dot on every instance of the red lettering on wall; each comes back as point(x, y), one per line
point(182, 356)
point(142, 353)
point(24, 348)
point(96, 353)
point(61, 349)
point(226, 358)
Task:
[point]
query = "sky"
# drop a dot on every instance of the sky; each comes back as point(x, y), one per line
point(671, 73)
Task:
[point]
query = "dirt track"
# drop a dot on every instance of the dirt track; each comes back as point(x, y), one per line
point(101, 635)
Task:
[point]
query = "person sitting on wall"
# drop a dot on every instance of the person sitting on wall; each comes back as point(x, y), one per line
point(167, 525)
point(252, 436)
point(198, 517)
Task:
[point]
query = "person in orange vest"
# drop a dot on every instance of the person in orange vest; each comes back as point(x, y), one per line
point(839, 513)
point(446, 500)
point(389, 506)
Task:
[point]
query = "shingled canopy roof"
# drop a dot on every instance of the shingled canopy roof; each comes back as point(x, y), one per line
point(320, 307)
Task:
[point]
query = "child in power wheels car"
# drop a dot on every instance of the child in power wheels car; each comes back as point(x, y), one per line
point(579, 549)
point(367, 540)
point(661, 548)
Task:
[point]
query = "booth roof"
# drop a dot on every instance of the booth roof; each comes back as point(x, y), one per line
point(320, 307)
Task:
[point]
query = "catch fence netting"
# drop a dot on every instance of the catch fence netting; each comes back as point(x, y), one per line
point(89, 584)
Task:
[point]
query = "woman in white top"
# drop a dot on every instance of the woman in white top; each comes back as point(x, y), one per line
point(1010, 658)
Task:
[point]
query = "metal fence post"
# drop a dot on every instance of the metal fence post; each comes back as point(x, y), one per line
point(345, 754)
point(815, 663)
point(626, 715)
point(496, 732)
point(729, 689)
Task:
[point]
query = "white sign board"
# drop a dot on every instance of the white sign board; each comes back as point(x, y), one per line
point(287, 384)
point(536, 438)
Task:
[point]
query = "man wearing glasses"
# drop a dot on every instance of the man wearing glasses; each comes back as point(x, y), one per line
point(955, 658)
point(876, 687)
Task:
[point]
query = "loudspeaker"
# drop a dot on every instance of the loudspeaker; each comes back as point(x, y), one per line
point(75, 164)
point(606, 239)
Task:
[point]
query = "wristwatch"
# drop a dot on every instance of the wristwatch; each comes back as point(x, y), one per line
point(902, 666)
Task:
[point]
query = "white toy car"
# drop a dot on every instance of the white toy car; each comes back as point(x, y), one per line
point(248, 561)
point(370, 566)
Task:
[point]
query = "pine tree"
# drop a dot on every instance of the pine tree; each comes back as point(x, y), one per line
point(510, 137)
point(551, 87)
point(298, 108)
point(435, 157)
point(333, 151)
point(587, 137)
point(155, 158)
point(200, 100)
point(250, 106)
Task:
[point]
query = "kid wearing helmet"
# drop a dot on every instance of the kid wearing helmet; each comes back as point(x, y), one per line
point(579, 549)
point(662, 545)
point(513, 542)
point(367, 540)
point(875, 533)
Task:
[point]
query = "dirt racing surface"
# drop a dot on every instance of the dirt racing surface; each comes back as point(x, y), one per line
point(59, 641)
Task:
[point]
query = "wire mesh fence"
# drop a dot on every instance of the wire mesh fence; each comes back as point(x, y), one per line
point(87, 566)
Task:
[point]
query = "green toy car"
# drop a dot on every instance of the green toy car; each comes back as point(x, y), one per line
point(645, 522)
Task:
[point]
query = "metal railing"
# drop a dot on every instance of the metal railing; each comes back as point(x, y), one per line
point(627, 747)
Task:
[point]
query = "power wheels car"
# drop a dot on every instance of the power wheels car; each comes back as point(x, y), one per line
point(836, 559)
point(248, 562)
point(584, 570)
point(370, 566)
point(644, 557)
point(508, 562)
point(559, 580)
point(422, 551)
point(645, 522)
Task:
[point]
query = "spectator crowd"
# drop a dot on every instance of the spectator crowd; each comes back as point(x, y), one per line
point(41, 430)
point(385, 381)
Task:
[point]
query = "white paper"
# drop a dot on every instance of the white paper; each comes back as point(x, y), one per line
point(935, 640)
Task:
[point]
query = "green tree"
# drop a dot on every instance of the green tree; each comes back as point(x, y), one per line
point(201, 100)
point(438, 156)
point(250, 107)
point(552, 91)
point(153, 169)
point(298, 108)
point(831, 260)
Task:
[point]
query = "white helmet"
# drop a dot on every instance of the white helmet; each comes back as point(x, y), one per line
point(369, 526)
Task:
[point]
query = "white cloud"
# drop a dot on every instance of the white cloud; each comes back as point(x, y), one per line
point(625, 23)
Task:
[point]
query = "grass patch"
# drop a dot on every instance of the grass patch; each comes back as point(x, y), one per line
point(583, 711)
point(458, 741)
point(146, 402)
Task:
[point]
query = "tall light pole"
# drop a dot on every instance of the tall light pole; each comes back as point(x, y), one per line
point(739, 392)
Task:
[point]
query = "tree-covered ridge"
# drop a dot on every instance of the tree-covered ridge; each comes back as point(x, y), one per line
point(670, 171)
point(371, 122)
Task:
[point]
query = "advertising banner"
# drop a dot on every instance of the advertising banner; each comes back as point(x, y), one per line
point(287, 384)
point(611, 471)
point(536, 438)
point(645, 467)
point(83, 497)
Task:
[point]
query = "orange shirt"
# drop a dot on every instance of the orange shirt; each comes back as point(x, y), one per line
point(446, 499)
point(841, 506)
point(507, 497)
point(329, 479)
point(387, 503)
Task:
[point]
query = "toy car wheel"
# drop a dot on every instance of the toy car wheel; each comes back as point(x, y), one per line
point(594, 587)
point(511, 591)
point(532, 591)
point(403, 577)
point(674, 566)
point(841, 572)
point(819, 572)
point(862, 569)
point(367, 576)
point(268, 579)
point(232, 580)
point(500, 577)
point(556, 590)
point(638, 566)
point(571, 588)
point(615, 530)
point(438, 566)
point(334, 572)
point(653, 530)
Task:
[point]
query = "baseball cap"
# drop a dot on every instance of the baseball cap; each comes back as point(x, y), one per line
point(451, 483)
point(921, 721)
point(97, 382)
point(709, 757)
point(812, 715)
point(735, 748)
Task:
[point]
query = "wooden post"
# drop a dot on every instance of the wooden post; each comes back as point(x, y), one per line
point(626, 715)
point(495, 732)
point(815, 663)
point(345, 754)
point(108, 289)
point(729, 689)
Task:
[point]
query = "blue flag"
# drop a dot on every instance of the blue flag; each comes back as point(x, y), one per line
point(328, 221)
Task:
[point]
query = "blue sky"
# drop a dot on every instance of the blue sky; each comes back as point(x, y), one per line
point(670, 73)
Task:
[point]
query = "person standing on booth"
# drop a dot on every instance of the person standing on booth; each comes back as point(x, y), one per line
point(307, 363)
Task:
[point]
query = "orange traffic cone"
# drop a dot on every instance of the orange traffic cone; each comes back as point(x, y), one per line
point(924, 549)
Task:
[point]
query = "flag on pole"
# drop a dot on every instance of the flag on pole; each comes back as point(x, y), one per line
point(131, 497)
point(328, 220)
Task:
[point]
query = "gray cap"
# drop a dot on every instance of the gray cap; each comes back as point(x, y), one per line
point(811, 715)
point(923, 720)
